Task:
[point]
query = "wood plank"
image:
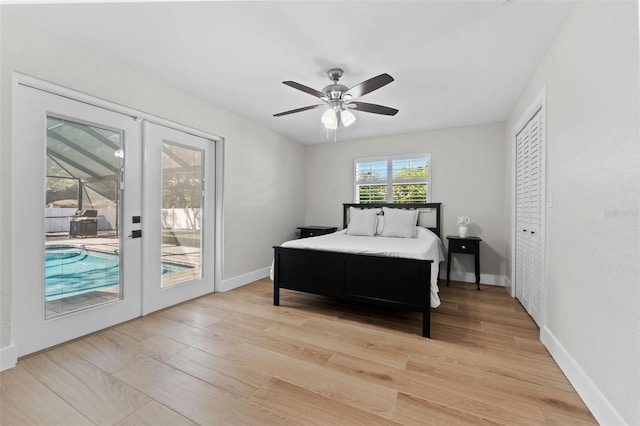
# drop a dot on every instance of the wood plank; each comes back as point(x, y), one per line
point(413, 411)
point(369, 397)
point(376, 338)
point(282, 344)
point(543, 394)
point(104, 352)
point(466, 397)
point(203, 365)
point(154, 325)
point(99, 396)
point(304, 407)
point(339, 343)
point(195, 399)
point(26, 401)
point(264, 312)
point(154, 414)
point(184, 315)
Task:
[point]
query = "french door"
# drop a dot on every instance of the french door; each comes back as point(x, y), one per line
point(76, 191)
point(179, 216)
point(113, 217)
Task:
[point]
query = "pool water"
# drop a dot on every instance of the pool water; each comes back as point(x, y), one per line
point(71, 271)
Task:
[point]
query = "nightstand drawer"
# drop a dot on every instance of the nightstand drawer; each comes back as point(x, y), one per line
point(463, 246)
point(304, 233)
point(314, 231)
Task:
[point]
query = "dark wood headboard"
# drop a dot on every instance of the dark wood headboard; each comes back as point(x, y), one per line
point(437, 206)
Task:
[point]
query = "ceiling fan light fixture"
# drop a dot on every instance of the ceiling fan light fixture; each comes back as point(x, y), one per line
point(330, 119)
point(347, 117)
point(339, 99)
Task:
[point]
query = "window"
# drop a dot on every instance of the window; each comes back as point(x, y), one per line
point(397, 179)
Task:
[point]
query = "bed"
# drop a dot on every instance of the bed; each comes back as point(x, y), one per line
point(368, 271)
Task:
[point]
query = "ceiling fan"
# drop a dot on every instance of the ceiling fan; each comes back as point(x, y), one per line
point(339, 99)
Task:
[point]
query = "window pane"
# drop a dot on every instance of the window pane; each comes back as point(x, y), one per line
point(371, 171)
point(82, 246)
point(397, 179)
point(410, 193)
point(181, 214)
point(371, 194)
point(413, 168)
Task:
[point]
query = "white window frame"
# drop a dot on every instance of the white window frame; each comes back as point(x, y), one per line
point(389, 179)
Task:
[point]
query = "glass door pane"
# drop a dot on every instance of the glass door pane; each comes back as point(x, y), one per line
point(82, 199)
point(181, 215)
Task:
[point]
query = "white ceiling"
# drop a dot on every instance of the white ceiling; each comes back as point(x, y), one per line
point(455, 63)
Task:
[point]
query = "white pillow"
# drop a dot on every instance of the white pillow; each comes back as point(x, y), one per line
point(362, 221)
point(399, 223)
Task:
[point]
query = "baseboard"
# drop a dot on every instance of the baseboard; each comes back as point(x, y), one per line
point(600, 407)
point(240, 280)
point(8, 357)
point(470, 277)
point(507, 281)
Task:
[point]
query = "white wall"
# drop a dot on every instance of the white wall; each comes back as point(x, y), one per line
point(593, 174)
point(467, 176)
point(262, 190)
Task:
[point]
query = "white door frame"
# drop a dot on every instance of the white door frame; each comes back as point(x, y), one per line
point(539, 103)
point(25, 80)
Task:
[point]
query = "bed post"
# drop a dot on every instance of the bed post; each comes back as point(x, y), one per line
point(276, 276)
point(345, 209)
point(426, 320)
point(438, 225)
point(426, 311)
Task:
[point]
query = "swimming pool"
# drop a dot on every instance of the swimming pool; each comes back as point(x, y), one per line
point(70, 271)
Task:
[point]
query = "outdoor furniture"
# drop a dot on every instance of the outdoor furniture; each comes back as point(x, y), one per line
point(84, 224)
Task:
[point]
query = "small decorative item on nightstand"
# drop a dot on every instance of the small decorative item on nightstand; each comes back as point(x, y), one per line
point(314, 231)
point(463, 221)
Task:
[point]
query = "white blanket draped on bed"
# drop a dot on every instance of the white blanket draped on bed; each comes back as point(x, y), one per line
point(427, 246)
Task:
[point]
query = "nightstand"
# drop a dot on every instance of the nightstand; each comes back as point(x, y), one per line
point(464, 245)
point(314, 231)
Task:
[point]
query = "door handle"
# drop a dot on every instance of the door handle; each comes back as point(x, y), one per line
point(136, 234)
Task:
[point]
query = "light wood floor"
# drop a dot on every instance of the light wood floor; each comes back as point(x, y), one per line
point(234, 358)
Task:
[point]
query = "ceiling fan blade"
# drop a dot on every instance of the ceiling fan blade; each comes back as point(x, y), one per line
point(376, 109)
point(298, 110)
point(369, 85)
point(305, 89)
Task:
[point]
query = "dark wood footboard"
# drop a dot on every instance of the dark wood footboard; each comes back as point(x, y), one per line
point(376, 280)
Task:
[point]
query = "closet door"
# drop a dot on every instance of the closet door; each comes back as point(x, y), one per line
point(529, 216)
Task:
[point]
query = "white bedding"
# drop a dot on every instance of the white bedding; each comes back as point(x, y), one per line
point(427, 246)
